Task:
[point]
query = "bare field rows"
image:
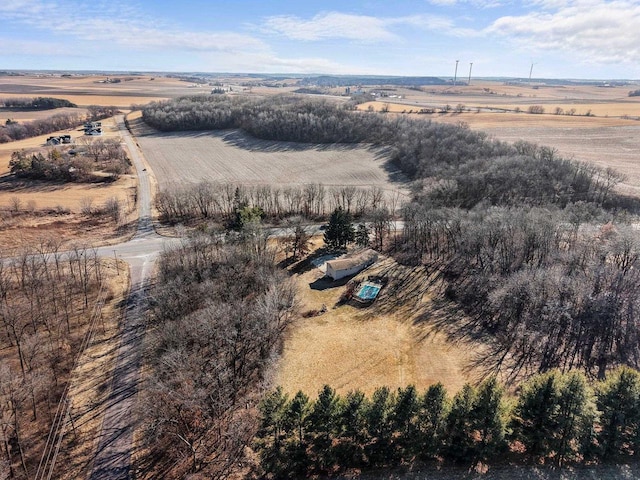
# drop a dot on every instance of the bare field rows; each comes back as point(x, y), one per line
point(30, 115)
point(86, 90)
point(231, 156)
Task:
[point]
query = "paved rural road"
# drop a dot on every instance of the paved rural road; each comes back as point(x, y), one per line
point(113, 456)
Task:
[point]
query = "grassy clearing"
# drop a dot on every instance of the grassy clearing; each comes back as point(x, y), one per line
point(27, 230)
point(390, 343)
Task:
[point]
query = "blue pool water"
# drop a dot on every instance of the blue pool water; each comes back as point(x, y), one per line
point(368, 291)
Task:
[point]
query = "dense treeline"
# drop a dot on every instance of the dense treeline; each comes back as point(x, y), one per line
point(555, 418)
point(219, 313)
point(61, 121)
point(221, 201)
point(38, 103)
point(529, 176)
point(46, 303)
point(60, 165)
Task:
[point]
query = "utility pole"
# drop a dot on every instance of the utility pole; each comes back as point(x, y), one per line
point(470, 67)
point(455, 75)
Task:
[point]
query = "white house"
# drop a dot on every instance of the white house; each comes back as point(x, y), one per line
point(351, 264)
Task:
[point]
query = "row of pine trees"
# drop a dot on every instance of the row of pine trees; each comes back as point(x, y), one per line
point(553, 418)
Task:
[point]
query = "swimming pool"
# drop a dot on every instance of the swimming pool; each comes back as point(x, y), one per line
point(368, 291)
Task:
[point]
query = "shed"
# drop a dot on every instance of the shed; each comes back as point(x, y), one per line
point(351, 264)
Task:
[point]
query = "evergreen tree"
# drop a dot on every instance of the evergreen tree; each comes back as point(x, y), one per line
point(618, 400)
point(576, 416)
point(432, 419)
point(324, 423)
point(362, 235)
point(405, 416)
point(459, 440)
point(488, 418)
point(273, 409)
point(380, 425)
point(340, 230)
point(535, 417)
point(353, 421)
point(297, 416)
point(353, 426)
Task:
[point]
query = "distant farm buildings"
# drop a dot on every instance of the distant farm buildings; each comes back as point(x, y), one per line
point(351, 264)
point(57, 140)
point(93, 128)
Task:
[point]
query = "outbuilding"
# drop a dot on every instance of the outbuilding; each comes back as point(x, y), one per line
point(351, 264)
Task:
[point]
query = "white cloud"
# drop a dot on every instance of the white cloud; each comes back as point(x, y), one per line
point(330, 25)
point(22, 47)
point(474, 3)
point(598, 32)
point(119, 23)
point(363, 28)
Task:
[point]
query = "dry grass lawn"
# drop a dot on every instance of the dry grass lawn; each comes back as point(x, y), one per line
point(350, 347)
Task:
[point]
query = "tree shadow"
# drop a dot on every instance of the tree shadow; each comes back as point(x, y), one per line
point(310, 262)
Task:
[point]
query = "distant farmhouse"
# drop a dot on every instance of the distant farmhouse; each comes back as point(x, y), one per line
point(93, 128)
point(351, 264)
point(59, 140)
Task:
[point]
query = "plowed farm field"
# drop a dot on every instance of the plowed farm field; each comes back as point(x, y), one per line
point(231, 156)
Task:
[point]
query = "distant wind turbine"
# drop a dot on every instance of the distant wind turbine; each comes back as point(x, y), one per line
point(455, 75)
point(530, 72)
point(470, 67)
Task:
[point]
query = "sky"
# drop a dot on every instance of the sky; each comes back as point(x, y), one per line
point(582, 39)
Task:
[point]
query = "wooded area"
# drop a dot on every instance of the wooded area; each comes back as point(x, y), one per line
point(47, 305)
point(38, 103)
point(219, 313)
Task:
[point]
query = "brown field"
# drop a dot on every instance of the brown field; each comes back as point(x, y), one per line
point(29, 116)
point(231, 156)
point(391, 343)
point(86, 90)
